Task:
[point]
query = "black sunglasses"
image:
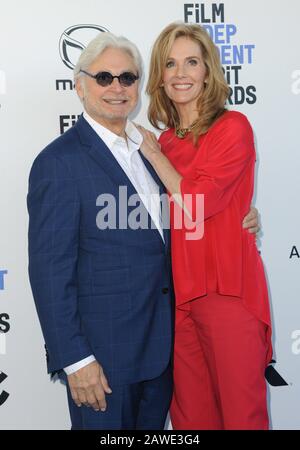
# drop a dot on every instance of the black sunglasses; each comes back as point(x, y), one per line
point(106, 78)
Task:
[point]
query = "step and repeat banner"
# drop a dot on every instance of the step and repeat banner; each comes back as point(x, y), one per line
point(40, 41)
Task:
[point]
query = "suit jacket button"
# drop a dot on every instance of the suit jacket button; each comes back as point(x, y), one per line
point(165, 290)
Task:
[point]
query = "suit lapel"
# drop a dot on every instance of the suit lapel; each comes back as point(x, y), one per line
point(152, 172)
point(100, 153)
point(164, 204)
point(104, 157)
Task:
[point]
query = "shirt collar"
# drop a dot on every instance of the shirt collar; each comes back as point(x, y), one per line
point(135, 138)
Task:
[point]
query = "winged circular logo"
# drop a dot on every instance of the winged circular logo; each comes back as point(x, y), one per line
point(74, 39)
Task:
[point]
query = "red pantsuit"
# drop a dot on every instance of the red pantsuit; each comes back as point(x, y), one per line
point(223, 327)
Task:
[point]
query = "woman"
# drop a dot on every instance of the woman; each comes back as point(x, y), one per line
point(223, 328)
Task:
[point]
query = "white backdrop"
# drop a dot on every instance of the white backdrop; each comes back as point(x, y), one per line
point(262, 45)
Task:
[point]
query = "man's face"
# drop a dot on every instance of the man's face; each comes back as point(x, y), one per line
point(109, 105)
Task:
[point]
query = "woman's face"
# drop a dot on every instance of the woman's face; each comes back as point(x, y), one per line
point(184, 73)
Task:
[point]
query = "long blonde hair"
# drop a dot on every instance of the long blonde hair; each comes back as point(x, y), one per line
point(211, 102)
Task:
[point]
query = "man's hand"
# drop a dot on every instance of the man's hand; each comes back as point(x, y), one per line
point(251, 221)
point(88, 386)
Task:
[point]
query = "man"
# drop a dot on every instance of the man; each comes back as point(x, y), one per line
point(103, 294)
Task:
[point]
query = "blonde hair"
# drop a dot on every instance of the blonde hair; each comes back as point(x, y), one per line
point(211, 102)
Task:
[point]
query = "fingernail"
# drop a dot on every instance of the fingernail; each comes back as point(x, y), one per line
point(103, 409)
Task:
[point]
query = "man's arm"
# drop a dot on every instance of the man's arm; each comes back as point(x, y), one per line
point(54, 218)
point(53, 207)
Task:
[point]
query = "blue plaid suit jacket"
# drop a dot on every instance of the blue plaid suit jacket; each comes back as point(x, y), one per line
point(102, 292)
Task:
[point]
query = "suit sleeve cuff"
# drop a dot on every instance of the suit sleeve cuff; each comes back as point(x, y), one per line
point(82, 363)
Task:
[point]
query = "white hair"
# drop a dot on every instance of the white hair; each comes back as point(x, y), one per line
point(100, 43)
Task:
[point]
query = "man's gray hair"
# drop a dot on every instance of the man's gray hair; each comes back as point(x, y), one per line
point(100, 43)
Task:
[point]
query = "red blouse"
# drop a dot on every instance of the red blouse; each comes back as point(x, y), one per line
point(226, 259)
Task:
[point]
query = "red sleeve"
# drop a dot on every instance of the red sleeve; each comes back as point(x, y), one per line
point(230, 149)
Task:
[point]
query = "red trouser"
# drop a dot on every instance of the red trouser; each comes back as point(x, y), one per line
point(219, 364)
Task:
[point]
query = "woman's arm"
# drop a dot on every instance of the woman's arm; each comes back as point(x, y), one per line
point(231, 150)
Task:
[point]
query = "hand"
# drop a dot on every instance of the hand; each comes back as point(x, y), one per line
point(150, 146)
point(251, 221)
point(88, 386)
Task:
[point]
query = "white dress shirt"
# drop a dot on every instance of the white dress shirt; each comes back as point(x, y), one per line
point(127, 155)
